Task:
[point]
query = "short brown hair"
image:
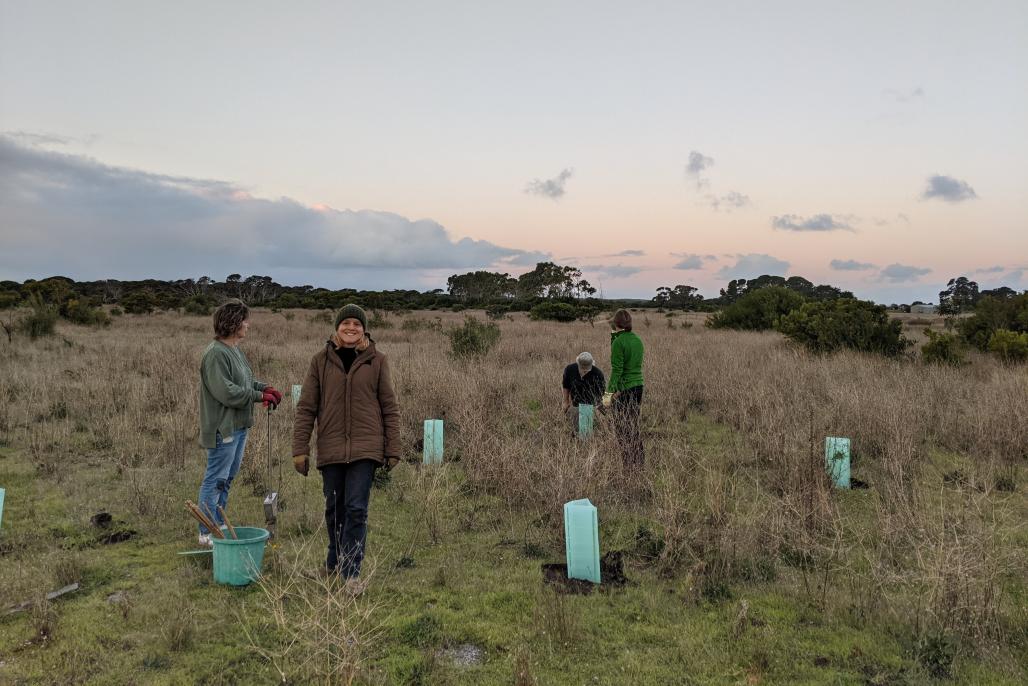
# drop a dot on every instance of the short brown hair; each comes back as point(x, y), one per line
point(622, 320)
point(229, 317)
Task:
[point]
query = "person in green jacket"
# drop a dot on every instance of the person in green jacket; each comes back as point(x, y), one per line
point(626, 385)
point(227, 394)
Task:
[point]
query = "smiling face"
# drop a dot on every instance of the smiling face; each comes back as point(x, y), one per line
point(350, 332)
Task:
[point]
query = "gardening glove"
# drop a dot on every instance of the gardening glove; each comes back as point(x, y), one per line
point(301, 464)
point(608, 398)
point(391, 462)
point(268, 398)
point(274, 391)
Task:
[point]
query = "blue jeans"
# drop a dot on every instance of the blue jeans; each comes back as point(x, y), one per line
point(347, 489)
point(223, 462)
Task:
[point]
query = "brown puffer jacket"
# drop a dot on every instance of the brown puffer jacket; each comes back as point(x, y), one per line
point(356, 413)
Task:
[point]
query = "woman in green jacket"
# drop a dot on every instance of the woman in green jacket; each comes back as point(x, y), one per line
point(626, 385)
point(227, 394)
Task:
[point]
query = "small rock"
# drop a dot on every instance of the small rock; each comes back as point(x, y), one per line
point(117, 598)
point(464, 655)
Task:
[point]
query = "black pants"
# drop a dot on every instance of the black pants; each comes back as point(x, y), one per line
point(347, 489)
point(627, 410)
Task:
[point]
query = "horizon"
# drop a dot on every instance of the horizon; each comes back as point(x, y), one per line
point(878, 149)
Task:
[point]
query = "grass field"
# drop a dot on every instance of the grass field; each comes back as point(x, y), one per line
point(742, 564)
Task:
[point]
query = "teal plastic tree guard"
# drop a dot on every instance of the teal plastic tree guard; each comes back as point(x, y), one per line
point(585, 420)
point(297, 389)
point(433, 451)
point(582, 539)
point(2, 505)
point(837, 460)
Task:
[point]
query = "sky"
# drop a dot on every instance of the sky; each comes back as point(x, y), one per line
point(876, 146)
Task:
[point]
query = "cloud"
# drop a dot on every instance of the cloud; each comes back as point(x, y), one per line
point(628, 253)
point(732, 200)
point(753, 265)
point(691, 260)
point(990, 270)
point(612, 271)
point(817, 222)
point(904, 96)
point(550, 188)
point(43, 138)
point(73, 215)
point(698, 164)
point(899, 273)
point(851, 266)
point(528, 258)
point(949, 189)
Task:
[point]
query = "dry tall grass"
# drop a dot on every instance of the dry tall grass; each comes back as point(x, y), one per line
point(924, 554)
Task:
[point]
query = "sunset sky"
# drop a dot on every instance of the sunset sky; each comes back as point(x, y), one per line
point(876, 146)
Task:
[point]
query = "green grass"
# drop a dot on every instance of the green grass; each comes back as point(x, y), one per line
point(479, 585)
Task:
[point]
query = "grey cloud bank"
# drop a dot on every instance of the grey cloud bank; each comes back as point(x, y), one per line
point(949, 189)
point(851, 265)
point(899, 273)
point(67, 214)
point(753, 265)
point(613, 271)
point(818, 222)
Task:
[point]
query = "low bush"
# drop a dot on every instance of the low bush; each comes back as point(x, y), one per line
point(757, 310)
point(830, 325)
point(943, 348)
point(474, 339)
point(1009, 345)
point(139, 302)
point(554, 311)
point(991, 315)
point(199, 305)
point(40, 322)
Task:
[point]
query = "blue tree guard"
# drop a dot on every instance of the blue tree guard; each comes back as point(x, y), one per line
point(837, 460)
point(433, 450)
point(297, 389)
point(582, 540)
point(585, 420)
point(2, 505)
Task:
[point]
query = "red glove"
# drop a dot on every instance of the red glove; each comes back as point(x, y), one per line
point(267, 397)
point(276, 393)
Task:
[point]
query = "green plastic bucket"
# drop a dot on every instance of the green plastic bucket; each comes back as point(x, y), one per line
point(237, 562)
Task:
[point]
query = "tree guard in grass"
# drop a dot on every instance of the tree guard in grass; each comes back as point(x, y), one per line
point(585, 420)
point(297, 389)
point(837, 460)
point(433, 450)
point(2, 505)
point(582, 540)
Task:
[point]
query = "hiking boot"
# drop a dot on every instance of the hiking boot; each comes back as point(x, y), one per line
point(205, 541)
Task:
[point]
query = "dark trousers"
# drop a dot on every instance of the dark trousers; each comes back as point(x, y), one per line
point(347, 489)
point(627, 411)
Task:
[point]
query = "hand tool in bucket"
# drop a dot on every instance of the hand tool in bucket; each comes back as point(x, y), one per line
point(271, 501)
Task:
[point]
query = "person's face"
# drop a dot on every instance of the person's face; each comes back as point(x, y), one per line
point(350, 332)
point(582, 371)
point(243, 328)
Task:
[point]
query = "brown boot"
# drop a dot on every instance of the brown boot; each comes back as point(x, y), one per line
point(355, 586)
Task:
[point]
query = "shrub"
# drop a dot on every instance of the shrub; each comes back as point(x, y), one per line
point(757, 310)
point(200, 305)
point(1009, 345)
point(139, 302)
point(474, 339)
point(554, 311)
point(991, 315)
point(497, 311)
point(41, 320)
point(116, 312)
point(942, 348)
point(378, 321)
point(829, 325)
point(81, 312)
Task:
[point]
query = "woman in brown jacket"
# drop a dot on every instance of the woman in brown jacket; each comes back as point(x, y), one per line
point(350, 397)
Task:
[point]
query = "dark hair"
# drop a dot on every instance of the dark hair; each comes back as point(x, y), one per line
point(228, 318)
point(622, 320)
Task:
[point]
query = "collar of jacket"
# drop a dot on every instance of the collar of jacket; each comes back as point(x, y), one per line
point(331, 347)
point(615, 334)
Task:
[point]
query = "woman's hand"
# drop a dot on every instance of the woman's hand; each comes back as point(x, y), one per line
point(301, 464)
point(391, 462)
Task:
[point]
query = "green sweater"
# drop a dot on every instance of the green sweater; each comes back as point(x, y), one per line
point(227, 392)
point(626, 361)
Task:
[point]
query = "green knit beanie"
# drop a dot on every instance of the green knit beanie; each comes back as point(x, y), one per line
point(352, 311)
